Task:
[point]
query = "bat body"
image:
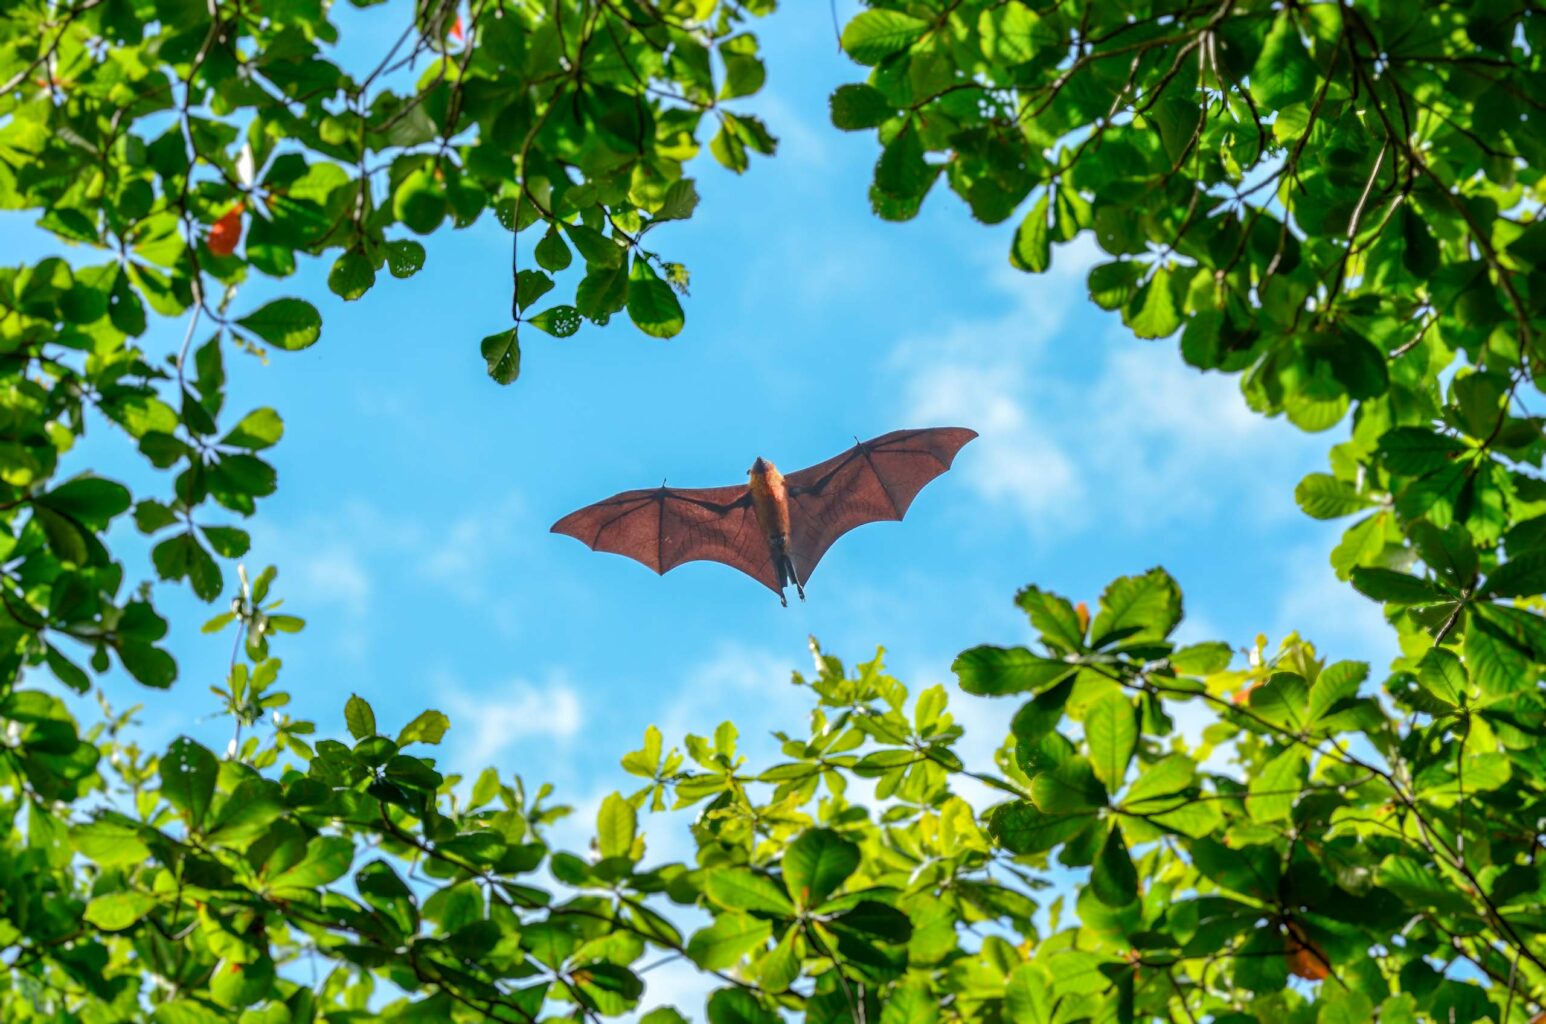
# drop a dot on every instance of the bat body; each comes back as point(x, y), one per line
point(774, 528)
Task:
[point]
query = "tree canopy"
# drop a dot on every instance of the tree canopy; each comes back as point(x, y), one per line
point(1338, 201)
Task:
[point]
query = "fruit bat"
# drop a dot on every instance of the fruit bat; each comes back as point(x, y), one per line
point(774, 528)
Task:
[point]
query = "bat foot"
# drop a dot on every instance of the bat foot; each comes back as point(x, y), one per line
point(801, 591)
point(784, 600)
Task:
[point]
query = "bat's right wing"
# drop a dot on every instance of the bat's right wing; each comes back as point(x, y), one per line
point(873, 481)
point(666, 526)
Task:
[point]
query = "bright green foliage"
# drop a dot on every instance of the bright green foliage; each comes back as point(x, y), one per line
point(1340, 201)
point(180, 148)
point(1312, 823)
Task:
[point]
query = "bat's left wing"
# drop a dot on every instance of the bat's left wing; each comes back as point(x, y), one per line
point(666, 526)
point(871, 482)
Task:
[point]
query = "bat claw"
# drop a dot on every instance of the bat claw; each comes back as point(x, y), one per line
point(784, 600)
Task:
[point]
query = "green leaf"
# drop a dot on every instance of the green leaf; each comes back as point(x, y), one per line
point(1421, 886)
point(1441, 673)
point(1053, 615)
point(152, 516)
point(1113, 284)
point(1523, 576)
point(597, 249)
point(1322, 496)
point(1191, 818)
point(902, 172)
point(149, 665)
point(188, 773)
point(616, 826)
point(1111, 729)
point(250, 809)
point(608, 988)
point(744, 73)
point(1163, 778)
point(1414, 451)
point(910, 1003)
point(1011, 33)
point(351, 277)
point(420, 201)
point(1284, 73)
point(855, 107)
point(602, 292)
point(559, 321)
point(652, 303)
point(118, 910)
point(1032, 249)
point(681, 199)
point(326, 860)
point(1335, 684)
point(359, 717)
point(1137, 608)
point(1021, 828)
point(530, 285)
point(259, 429)
point(1030, 994)
point(236, 985)
point(1250, 870)
point(1397, 587)
point(745, 889)
point(871, 918)
point(551, 252)
point(1070, 788)
point(502, 352)
point(404, 257)
point(289, 324)
point(1113, 878)
point(1202, 659)
point(1273, 791)
point(738, 1006)
point(109, 842)
point(91, 500)
point(227, 541)
point(728, 149)
point(1520, 629)
point(1448, 552)
point(874, 35)
point(1153, 312)
point(993, 671)
point(722, 944)
point(1361, 543)
point(429, 727)
point(816, 863)
point(1041, 715)
point(65, 670)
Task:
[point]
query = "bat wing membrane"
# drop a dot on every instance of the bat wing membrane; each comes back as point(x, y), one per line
point(664, 527)
point(874, 481)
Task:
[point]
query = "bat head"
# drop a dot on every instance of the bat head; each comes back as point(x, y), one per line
point(761, 466)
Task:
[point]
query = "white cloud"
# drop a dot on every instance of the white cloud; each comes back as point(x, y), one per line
point(334, 573)
point(466, 548)
point(337, 563)
point(1139, 438)
point(1016, 463)
point(492, 722)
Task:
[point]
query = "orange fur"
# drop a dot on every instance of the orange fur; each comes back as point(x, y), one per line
point(770, 499)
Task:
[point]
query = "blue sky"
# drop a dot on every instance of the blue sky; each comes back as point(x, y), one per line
point(415, 496)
